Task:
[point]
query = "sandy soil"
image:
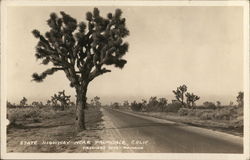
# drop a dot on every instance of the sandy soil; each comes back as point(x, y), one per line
point(56, 134)
point(111, 133)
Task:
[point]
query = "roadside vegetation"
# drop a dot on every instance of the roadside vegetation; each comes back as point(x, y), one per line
point(183, 108)
point(53, 121)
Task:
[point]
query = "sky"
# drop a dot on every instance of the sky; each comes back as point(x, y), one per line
point(201, 47)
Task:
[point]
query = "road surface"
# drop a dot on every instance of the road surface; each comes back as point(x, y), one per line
point(147, 135)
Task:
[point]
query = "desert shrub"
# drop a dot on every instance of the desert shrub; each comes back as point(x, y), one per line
point(183, 111)
point(57, 107)
point(153, 108)
point(207, 116)
point(31, 114)
point(17, 115)
point(12, 116)
point(153, 105)
point(136, 106)
point(173, 107)
point(222, 114)
point(209, 105)
point(115, 105)
point(47, 112)
point(197, 112)
point(239, 111)
point(10, 105)
point(125, 104)
point(238, 123)
point(192, 112)
point(225, 113)
point(228, 113)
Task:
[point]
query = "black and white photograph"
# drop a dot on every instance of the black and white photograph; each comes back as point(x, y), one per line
point(125, 80)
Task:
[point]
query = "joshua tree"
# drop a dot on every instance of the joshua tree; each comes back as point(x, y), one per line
point(191, 98)
point(96, 101)
point(179, 94)
point(62, 98)
point(240, 99)
point(82, 50)
point(23, 102)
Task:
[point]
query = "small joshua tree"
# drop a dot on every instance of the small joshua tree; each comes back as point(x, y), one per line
point(23, 102)
point(191, 98)
point(240, 99)
point(82, 50)
point(96, 101)
point(179, 94)
point(62, 98)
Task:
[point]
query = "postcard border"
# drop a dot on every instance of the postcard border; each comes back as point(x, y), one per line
point(5, 155)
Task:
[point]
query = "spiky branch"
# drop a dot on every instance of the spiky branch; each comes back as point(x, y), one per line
point(82, 49)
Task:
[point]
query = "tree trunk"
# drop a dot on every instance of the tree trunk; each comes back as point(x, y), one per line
point(80, 107)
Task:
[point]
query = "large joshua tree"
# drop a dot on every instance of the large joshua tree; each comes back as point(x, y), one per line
point(81, 50)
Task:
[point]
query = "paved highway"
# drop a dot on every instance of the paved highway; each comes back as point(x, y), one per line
point(168, 137)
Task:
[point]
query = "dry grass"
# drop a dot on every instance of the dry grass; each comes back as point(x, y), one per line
point(226, 119)
point(51, 126)
point(20, 116)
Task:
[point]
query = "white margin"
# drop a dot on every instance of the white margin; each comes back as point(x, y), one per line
point(246, 81)
point(3, 79)
point(172, 156)
point(123, 3)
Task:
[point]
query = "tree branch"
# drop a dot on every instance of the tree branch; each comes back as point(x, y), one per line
point(43, 75)
point(97, 72)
